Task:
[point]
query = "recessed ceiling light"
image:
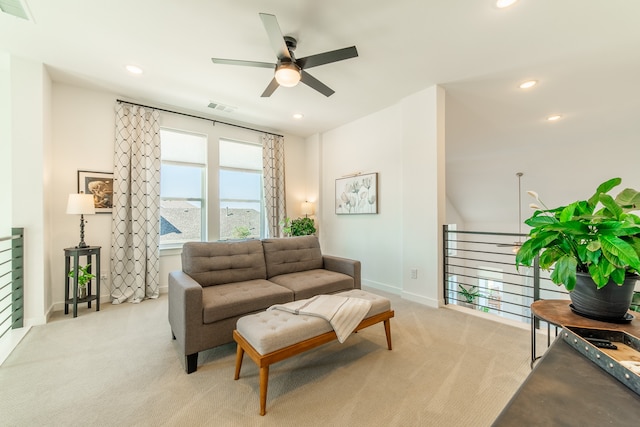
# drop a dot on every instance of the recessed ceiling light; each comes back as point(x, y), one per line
point(134, 69)
point(298, 116)
point(528, 84)
point(504, 3)
point(554, 118)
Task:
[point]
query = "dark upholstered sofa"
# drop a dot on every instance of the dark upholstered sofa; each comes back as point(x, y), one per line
point(223, 281)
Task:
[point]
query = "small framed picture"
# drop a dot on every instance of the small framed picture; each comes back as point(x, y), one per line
point(100, 184)
point(357, 194)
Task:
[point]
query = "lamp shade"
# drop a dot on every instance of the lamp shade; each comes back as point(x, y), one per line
point(80, 204)
point(288, 75)
point(307, 208)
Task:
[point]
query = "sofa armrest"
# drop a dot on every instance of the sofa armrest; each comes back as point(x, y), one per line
point(185, 310)
point(346, 266)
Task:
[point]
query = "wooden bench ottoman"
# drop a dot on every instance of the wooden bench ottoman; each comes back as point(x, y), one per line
point(275, 335)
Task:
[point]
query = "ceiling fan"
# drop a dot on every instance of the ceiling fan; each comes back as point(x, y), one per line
point(290, 70)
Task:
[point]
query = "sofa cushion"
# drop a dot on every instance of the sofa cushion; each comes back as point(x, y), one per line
point(215, 263)
point(233, 299)
point(306, 284)
point(291, 255)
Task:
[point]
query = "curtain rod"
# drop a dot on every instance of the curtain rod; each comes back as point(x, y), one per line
point(214, 121)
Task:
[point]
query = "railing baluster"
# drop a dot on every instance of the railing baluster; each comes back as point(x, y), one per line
point(13, 300)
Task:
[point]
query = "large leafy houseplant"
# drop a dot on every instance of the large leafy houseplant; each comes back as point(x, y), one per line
point(302, 227)
point(298, 227)
point(599, 236)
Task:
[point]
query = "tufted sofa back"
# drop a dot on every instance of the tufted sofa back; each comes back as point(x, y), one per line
point(216, 263)
point(291, 255)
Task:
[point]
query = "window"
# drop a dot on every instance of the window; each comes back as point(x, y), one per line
point(182, 188)
point(241, 207)
point(490, 284)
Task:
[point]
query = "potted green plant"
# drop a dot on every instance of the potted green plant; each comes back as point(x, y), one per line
point(470, 295)
point(303, 227)
point(593, 246)
point(286, 226)
point(84, 277)
point(298, 227)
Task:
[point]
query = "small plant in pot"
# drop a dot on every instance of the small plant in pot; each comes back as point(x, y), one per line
point(84, 277)
point(594, 248)
point(469, 294)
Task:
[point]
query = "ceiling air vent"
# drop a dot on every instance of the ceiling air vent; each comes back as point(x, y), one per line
point(222, 107)
point(17, 8)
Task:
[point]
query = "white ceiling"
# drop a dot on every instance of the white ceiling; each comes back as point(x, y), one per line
point(585, 53)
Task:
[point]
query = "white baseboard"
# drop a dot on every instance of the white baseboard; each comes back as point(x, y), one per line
point(381, 286)
point(104, 299)
point(420, 299)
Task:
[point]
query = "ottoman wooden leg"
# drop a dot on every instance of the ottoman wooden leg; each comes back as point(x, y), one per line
point(264, 380)
point(387, 330)
point(239, 355)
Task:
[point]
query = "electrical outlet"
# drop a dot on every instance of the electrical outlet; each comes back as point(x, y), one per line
point(414, 273)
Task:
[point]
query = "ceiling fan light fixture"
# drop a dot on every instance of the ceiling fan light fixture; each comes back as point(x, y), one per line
point(528, 84)
point(288, 75)
point(133, 69)
point(501, 4)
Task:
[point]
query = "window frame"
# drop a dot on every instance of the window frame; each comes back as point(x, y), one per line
point(203, 185)
point(260, 201)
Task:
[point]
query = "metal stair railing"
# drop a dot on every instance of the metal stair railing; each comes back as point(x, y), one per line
point(483, 264)
point(11, 281)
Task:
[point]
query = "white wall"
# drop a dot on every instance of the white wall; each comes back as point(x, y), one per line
point(30, 88)
point(370, 144)
point(453, 216)
point(424, 198)
point(5, 145)
point(83, 139)
point(404, 143)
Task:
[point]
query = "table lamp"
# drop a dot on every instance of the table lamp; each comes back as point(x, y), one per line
point(307, 208)
point(81, 204)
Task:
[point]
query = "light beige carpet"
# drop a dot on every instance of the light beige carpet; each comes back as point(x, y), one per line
point(120, 367)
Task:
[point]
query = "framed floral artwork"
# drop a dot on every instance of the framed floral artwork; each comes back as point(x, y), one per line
point(357, 194)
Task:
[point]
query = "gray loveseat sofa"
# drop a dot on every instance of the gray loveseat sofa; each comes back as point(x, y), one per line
point(223, 281)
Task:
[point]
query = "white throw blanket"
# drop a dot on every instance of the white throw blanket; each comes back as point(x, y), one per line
point(343, 313)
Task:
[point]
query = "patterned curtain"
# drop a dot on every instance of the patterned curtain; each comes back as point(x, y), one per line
point(273, 174)
point(135, 254)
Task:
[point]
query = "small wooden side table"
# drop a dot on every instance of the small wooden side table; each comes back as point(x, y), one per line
point(558, 313)
point(75, 254)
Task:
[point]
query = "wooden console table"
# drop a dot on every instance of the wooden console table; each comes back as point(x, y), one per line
point(558, 313)
point(567, 389)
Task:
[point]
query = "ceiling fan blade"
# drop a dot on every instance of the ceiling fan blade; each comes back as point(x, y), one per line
point(275, 36)
point(270, 89)
point(327, 57)
point(316, 84)
point(243, 63)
